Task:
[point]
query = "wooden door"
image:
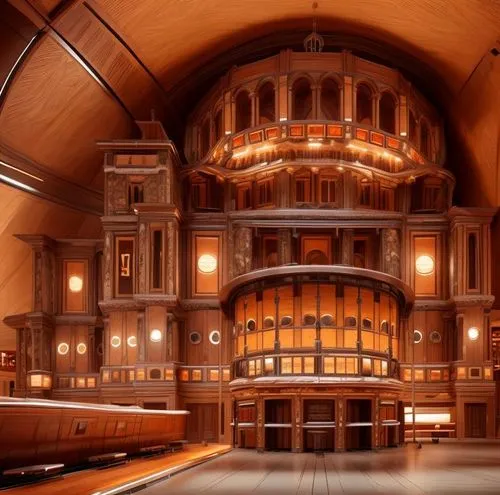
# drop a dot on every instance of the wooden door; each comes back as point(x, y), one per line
point(475, 420)
point(202, 423)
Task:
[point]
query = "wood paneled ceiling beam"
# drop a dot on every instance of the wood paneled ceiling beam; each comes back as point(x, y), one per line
point(18, 171)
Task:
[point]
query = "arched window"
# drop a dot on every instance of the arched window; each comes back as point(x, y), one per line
point(364, 110)
point(316, 257)
point(425, 139)
point(301, 100)
point(243, 111)
point(218, 125)
point(387, 113)
point(412, 128)
point(205, 138)
point(330, 100)
point(267, 106)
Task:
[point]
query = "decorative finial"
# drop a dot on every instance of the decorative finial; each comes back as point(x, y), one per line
point(314, 42)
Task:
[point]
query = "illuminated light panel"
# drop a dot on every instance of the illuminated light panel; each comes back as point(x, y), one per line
point(403, 133)
point(239, 154)
point(63, 348)
point(282, 119)
point(227, 133)
point(16, 183)
point(427, 418)
point(348, 119)
point(116, 341)
point(314, 144)
point(81, 348)
point(353, 146)
point(424, 265)
point(75, 283)
point(155, 335)
point(473, 333)
point(132, 341)
point(207, 263)
point(20, 171)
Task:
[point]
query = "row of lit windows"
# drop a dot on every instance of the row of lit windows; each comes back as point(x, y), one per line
point(305, 365)
point(329, 108)
point(309, 320)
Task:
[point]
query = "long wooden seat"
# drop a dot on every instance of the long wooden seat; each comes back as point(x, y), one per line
point(110, 457)
point(37, 470)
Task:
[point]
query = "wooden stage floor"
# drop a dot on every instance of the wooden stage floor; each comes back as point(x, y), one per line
point(93, 481)
point(444, 469)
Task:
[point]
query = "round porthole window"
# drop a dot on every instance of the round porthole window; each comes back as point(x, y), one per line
point(132, 341)
point(268, 322)
point(116, 341)
point(81, 348)
point(286, 321)
point(63, 348)
point(435, 337)
point(309, 320)
point(327, 320)
point(195, 337)
point(251, 326)
point(214, 337)
point(417, 336)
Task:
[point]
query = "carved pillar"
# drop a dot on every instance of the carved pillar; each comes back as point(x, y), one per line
point(347, 246)
point(43, 274)
point(348, 99)
point(391, 252)
point(108, 266)
point(142, 258)
point(284, 246)
point(141, 337)
point(297, 426)
point(253, 100)
point(242, 248)
point(259, 404)
point(106, 339)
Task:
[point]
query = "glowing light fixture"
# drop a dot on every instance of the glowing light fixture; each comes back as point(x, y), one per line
point(81, 348)
point(63, 348)
point(424, 265)
point(75, 283)
point(116, 341)
point(348, 119)
point(403, 133)
point(473, 333)
point(132, 341)
point(417, 336)
point(155, 335)
point(314, 144)
point(207, 263)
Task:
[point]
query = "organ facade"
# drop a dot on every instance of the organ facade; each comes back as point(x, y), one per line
point(297, 276)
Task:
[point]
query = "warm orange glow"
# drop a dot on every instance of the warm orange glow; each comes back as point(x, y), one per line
point(75, 283)
point(473, 333)
point(207, 263)
point(424, 265)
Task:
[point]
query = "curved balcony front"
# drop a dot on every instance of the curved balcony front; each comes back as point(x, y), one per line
point(316, 321)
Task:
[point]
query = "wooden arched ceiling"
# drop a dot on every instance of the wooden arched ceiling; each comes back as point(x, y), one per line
point(97, 65)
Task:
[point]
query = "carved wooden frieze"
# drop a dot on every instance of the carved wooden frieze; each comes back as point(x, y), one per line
point(117, 193)
point(242, 247)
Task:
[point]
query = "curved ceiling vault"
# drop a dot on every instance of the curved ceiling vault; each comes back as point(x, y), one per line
point(97, 65)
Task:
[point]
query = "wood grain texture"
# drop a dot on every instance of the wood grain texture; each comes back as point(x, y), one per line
point(54, 114)
point(23, 213)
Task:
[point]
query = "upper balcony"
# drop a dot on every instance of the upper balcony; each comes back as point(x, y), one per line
point(315, 106)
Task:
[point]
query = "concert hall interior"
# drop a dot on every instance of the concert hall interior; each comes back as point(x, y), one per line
point(234, 228)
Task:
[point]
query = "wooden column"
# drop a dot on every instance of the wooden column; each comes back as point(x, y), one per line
point(347, 246)
point(284, 246)
point(391, 252)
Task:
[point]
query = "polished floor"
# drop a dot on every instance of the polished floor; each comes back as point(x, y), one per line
point(447, 468)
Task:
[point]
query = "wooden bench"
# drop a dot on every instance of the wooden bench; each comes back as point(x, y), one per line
point(153, 450)
point(108, 460)
point(177, 445)
point(37, 470)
